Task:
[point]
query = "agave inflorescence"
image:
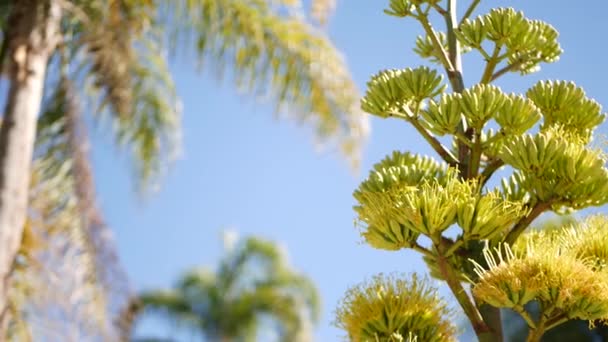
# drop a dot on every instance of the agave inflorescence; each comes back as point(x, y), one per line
point(544, 136)
point(390, 308)
point(562, 270)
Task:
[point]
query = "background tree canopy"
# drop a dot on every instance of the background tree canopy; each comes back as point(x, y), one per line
point(107, 62)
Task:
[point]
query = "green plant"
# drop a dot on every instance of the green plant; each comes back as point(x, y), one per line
point(254, 281)
point(543, 137)
point(70, 62)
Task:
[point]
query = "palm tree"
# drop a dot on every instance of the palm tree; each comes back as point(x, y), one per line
point(61, 56)
point(252, 282)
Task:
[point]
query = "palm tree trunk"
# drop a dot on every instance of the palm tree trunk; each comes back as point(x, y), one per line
point(31, 37)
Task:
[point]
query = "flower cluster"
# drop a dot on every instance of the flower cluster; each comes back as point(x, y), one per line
point(389, 308)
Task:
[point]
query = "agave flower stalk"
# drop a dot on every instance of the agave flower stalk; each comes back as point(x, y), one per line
point(543, 135)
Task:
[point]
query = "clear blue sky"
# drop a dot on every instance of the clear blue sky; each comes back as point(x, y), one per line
point(243, 169)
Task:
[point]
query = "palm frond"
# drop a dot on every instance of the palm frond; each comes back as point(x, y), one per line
point(174, 306)
point(283, 308)
point(278, 56)
point(266, 44)
point(199, 280)
point(322, 9)
point(298, 285)
point(253, 250)
point(119, 54)
point(253, 281)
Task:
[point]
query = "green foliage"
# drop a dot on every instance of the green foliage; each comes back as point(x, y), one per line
point(113, 56)
point(544, 138)
point(252, 281)
point(425, 48)
point(404, 8)
point(389, 308)
point(118, 55)
point(398, 204)
point(66, 246)
point(118, 50)
point(277, 56)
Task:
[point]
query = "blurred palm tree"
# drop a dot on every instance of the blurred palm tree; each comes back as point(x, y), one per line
point(107, 59)
point(253, 283)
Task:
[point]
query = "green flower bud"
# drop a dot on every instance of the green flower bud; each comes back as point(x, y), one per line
point(384, 196)
point(527, 42)
point(480, 103)
point(390, 90)
point(487, 216)
point(558, 167)
point(563, 103)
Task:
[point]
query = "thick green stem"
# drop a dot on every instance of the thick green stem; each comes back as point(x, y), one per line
point(479, 326)
point(492, 327)
point(454, 48)
point(491, 65)
point(538, 209)
point(469, 11)
point(454, 247)
point(455, 77)
point(526, 316)
point(461, 138)
point(490, 169)
point(441, 150)
point(442, 54)
point(437, 146)
point(475, 155)
point(422, 250)
point(491, 316)
point(555, 321)
point(536, 334)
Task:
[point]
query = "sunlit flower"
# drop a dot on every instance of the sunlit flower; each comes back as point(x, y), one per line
point(560, 282)
point(389, 308)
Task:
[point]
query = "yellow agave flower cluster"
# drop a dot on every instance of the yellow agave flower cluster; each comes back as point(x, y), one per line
point(527, 42)
point(563, 269)
point(424, 47)
point(555, 166)
point(564, 104)
point(404, 8)
point(389, 91)
point(479, 104)
point(418, 95)
point(391, 308)
point(407, 195)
